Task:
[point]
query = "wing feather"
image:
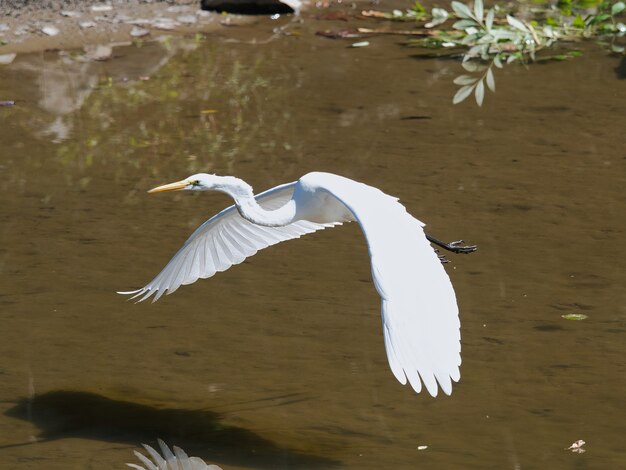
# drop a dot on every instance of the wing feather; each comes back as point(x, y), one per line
point(421, 327)
point(222, 241)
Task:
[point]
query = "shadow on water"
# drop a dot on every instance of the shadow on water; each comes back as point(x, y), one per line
point(69, 414)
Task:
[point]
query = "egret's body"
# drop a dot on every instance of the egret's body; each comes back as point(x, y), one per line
point(419, 310)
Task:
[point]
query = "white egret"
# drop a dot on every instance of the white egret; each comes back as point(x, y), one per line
point(419, 310)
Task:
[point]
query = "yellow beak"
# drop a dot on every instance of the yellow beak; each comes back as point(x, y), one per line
point(171, 187)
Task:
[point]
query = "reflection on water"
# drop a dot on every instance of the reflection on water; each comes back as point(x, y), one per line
point(60, 82)
point(535, 177)
point(169, 460)
point(65, 414)
point(222, 98)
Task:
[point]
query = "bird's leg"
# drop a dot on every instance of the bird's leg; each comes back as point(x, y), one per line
point(454, 247)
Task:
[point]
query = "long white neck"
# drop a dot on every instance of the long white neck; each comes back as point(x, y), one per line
point(250, 209)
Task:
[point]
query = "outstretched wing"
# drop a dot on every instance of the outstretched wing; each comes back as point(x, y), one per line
point(222, 241)
point(419, 310)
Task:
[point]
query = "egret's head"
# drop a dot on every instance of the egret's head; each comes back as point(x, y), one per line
point(205, 182)
point(197, 182)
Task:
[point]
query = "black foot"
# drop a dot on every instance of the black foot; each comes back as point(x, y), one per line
point(454, 247)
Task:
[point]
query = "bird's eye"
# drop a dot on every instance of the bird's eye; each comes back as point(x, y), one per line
point(195, 183)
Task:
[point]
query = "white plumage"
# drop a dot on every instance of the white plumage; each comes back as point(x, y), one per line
point(419, 310)
point(178, 460)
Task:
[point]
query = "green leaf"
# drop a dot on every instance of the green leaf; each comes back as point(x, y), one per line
point(489, 20)
point(516, 23)
point(597, 19)
point(469, 39)
point(462, 10)
point(464, 24)
point(617, 49)
point(480, 93)
point(578, 22)
point(463, 93)
point(465, 80)
point(617, 8)
point(551, 21)
point(418, 8)
point(472, 66)
point(478, 9)
point(574, 316)
point(565, 6)
point(491, 82)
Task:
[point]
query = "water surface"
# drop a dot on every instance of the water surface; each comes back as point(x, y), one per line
point(279, 362)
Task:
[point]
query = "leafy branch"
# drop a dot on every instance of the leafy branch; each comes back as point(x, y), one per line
point(496, 36)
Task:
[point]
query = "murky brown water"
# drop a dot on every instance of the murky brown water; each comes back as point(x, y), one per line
point(279, 363)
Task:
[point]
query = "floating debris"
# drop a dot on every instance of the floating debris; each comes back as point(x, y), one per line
point(402, 32)
point(4, 27)
point(577, 447)
point(209, 111)
point(87, 24)
point(6, 59)
point(50, 30)
point(7, 103)
point(422, 447)
point(361, 44)
point(170, 461)
point(574, 316)
point(339, 34)
point(138, 32)
point(374, 14)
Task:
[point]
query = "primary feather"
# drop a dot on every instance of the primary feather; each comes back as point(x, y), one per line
point(222, 241)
